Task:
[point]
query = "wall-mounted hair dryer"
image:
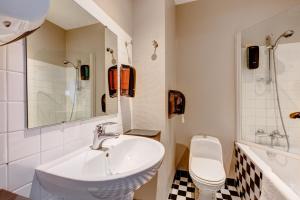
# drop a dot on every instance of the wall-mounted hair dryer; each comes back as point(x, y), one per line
point(19, 18)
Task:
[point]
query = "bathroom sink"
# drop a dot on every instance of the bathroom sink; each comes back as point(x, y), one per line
point(127, 164)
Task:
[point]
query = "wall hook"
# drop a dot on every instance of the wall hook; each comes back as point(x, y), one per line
point(155, 45)
point(113, 60)
point(128, 43)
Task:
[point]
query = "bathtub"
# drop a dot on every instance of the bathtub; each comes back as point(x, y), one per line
point(281, 168)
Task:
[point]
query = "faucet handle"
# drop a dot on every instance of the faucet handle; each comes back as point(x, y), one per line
point(106, 124)
point(102, 125)
point(277, 134)
point(109, 123)
point(260, 132)
point(100, 128)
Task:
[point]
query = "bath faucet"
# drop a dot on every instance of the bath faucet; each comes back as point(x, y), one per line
point(100, 135)
point(273, 135)
point(276, 135)
point(261, 133)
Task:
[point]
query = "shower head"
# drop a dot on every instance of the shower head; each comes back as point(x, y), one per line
point(286, 34)
point(66, 62)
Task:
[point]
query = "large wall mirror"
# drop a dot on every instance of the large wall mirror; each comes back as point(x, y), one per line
point(71, 68)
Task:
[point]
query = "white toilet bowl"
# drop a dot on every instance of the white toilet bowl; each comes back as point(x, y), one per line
point(206, 165)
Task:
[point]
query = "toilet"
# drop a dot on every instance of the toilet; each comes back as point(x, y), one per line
point(206, 166)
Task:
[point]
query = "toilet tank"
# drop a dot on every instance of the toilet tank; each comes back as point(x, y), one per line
point(206, 147)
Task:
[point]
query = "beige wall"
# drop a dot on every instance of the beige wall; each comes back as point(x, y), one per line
point(82, 44)
point(206, 66)
point(121, 11)
point(51, 36)
point(274, 26)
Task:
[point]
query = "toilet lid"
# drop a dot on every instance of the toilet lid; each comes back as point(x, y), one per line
point(207, 169)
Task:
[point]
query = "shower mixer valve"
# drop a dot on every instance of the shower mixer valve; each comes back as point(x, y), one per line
point(273, 135)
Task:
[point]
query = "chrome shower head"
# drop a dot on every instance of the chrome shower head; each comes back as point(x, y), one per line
point(288, 33)
point(66, 62)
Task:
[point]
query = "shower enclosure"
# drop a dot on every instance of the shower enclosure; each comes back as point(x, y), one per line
point(268, 98)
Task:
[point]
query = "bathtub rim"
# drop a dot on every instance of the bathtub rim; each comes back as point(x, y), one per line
point(267, 171)
point(269, 148)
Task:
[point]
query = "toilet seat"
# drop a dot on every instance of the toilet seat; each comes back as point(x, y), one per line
point(207, 170)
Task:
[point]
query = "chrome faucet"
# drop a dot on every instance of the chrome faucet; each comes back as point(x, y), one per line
point(273, 135)
point(261, 133)
point(276, 135)
point(100, 135)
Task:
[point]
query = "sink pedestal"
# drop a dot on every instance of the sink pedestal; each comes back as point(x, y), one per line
point(128, 197)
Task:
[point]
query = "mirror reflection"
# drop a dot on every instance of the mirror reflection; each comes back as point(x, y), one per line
point(71, 67)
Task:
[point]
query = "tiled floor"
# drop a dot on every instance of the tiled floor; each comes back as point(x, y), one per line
point(184, 189)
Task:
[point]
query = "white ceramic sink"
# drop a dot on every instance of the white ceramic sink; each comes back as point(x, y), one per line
point(115, 174)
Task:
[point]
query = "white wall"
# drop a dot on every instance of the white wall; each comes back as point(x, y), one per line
point(167, 171)
point(205, 63)
point(22, 150)
point(155, 20)
point(148, 106)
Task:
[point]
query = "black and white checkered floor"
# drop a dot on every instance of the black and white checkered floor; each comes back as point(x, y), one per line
point(184, 189)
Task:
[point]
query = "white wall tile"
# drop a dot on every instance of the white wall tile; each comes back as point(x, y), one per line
point(21, 172)
point(50, 155)
point(15, 57)
point(72, 146)
point(51, 137)
point(16, 116)
point(263, 95)
point(3, 176)
point(3, 117)
point(71, 132)
point(15, 86)
point(3, 148)
point(3, 57)
point(3, 93)
point(22, 144)
point(87, 132)
point(24, 191)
